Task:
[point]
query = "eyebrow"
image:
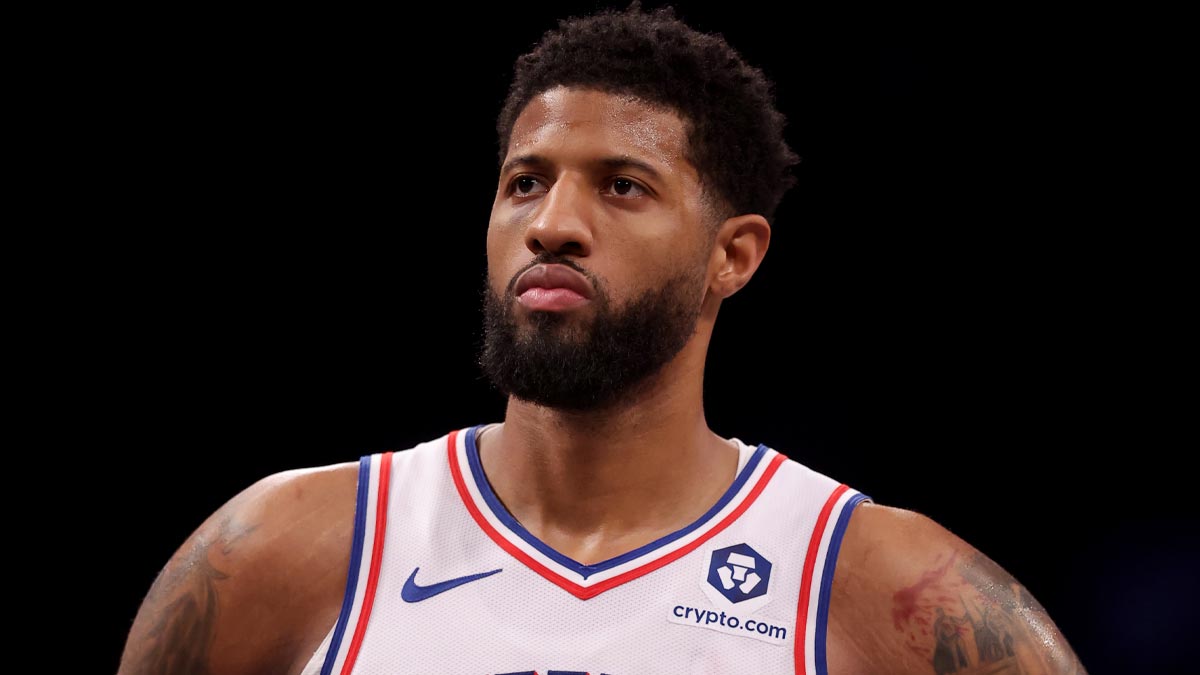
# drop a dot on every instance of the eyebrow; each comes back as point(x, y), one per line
point(618, 162)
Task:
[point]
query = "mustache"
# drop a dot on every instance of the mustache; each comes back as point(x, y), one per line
point(547, 258)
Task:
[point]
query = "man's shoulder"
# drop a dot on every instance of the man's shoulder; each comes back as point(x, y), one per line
point(259, 582)
point(305, 510)
point(282, 526)
point(892, 541)
point(909, 595)
point(299, 527)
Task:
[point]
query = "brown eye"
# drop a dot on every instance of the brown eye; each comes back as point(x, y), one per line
point(624, 186)
point(524, 184)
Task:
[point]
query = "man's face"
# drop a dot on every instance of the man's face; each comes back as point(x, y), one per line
point(597, 250)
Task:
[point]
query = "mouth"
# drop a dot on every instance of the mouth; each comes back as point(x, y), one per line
point(552, 288)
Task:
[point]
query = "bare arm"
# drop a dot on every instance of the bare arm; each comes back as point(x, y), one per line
point(911, 597)
point(176, 625)
point(255, 586)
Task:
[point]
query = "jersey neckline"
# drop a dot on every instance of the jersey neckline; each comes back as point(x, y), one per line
point(589, 580)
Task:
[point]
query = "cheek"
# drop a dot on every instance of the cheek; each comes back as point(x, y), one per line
point(495, 261)
point(659, 265)
point(491, 243)
point(504, 232)
point(657, 257)
point(506, 252)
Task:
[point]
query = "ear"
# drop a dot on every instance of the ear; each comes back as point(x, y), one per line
point(738, 248)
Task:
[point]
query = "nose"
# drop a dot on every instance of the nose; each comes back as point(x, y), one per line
point(562, 224)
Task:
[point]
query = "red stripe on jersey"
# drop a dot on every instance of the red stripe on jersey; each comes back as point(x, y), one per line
point(586, 592)
point(810, 562)
point(381, 505)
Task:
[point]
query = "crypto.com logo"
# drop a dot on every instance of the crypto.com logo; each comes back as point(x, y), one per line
point(739, 573)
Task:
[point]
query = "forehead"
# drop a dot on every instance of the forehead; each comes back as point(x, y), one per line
point(586, 120)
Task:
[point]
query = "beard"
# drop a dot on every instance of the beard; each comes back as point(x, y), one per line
point(558, 361)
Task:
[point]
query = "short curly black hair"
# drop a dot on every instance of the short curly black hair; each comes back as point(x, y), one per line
point(735, 132)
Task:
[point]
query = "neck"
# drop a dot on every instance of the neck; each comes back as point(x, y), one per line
point(596, 484)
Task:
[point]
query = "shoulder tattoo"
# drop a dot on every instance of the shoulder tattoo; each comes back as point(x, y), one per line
point(966, 615)
point(181, 608)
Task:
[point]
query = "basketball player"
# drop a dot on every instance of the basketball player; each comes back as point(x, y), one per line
point(601, 527)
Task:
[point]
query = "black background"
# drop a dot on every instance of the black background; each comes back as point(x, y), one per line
point(303, 201)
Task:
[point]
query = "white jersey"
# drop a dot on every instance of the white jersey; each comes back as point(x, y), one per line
point(443, 580)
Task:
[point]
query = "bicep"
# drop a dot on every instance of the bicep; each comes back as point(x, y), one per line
point(186, 613)
point(1003, 620)
point(911, 597)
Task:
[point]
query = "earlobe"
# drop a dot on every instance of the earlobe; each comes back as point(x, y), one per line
point(741, 243)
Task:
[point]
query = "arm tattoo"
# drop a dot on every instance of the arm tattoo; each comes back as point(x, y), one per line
point(180, 631)
point(184, 632)
point(968, 616)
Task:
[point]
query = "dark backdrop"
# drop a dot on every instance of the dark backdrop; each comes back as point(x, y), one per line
point(311, 194)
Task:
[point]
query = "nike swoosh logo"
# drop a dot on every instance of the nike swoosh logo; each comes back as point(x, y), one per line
point(415, 593)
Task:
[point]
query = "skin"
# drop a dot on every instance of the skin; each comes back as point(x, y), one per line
point(896, 569)
point(257, 586)
point(603, 482)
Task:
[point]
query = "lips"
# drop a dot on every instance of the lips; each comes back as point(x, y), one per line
point(554, 276)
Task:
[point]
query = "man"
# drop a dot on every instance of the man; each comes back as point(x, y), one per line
point(601, 527)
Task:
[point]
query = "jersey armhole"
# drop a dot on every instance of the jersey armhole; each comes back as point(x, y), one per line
point(835, 544)
point(366, 553)
point(334, 640)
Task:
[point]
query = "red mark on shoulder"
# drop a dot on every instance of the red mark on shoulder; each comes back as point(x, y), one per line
point(905, 599)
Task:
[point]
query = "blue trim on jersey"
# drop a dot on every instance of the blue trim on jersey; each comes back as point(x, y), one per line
point(585, 571)
point(360, 526)
point(835, 543)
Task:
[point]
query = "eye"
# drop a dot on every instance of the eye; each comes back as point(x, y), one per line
point(626, 187)
point(523, 186)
